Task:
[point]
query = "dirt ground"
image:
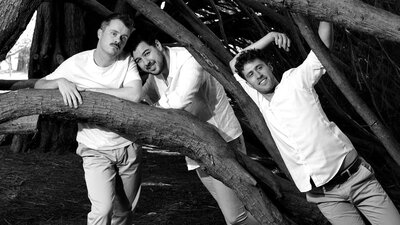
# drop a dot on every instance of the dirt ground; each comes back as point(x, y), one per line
point(49, 189)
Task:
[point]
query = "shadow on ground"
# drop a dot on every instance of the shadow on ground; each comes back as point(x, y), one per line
point(43, 188)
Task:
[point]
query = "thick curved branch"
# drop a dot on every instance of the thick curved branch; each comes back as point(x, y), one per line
point(145, 124)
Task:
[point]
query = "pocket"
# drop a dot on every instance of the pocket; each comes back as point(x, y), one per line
point(367, 166)
point(82, 150)
point(79, 149)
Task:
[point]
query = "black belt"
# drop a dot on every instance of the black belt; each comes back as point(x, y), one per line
point(344, 175)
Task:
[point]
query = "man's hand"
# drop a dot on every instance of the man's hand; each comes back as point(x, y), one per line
point(280, 39)
point(69, 92)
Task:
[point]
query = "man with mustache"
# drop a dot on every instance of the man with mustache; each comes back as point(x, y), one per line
point(320, 158)
point(176, 80)
point(111, 162)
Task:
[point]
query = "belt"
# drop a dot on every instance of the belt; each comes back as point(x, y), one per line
point(344, 175)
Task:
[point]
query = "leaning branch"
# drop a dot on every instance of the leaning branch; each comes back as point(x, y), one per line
point(354, 14)
point(216, 68)
point(387, 139)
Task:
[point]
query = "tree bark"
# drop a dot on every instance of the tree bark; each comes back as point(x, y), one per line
point(16, 15)
point(353, 14)
point(386, 138)
point(93, 5)
point(59, 33)
point(209, 37)
point(145, 124)
point(23, 125)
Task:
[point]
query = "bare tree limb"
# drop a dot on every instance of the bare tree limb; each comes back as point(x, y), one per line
point(353, 14)
point(216, 68)
point(210, 38)
point(93, 5)
point(220, 23)
point(383, 134)
point(145, 124)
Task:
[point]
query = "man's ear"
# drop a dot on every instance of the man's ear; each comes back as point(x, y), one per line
point(158, 45)
point(99, 33)
point(270, 66)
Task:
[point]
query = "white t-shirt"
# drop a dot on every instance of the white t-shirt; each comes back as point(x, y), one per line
point(191, 88)
point(83, 71)
point(311, 146)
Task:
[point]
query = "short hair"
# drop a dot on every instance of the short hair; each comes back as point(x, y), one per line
point(124, 18)
point(138, 36)
point(249, 56)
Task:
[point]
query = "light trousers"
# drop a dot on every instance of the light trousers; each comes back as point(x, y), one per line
point(342, 204)
point(231, 206)
point(113, 179)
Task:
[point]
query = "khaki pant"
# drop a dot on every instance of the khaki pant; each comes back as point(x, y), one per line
point(232, 208)
point(113, 179)
point(342, 204)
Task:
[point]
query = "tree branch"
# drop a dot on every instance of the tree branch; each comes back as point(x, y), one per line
point(93, 5)
point(145, 124)
point(216, 68)
point(387, 139)
point(354, 14)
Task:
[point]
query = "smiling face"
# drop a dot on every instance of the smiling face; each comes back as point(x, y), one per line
point(259, 75)
point(150, 58)
point(113, 37)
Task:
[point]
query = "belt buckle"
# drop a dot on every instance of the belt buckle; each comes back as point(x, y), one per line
point(348, 173)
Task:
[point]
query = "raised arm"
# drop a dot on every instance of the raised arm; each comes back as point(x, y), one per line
point(280, 39)
point(325, 31)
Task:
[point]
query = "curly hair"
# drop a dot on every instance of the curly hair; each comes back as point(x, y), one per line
point(248, 56)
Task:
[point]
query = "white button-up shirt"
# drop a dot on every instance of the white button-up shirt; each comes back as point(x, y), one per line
point(190, 87)
point(311, 145)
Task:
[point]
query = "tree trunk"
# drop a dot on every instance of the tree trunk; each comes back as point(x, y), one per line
point(145, 124)
point(59, 33)
point(353, 14)
point(16, 15)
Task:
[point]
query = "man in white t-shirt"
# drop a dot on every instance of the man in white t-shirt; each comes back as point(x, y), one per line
point(176, 80)
point(320, 158)
point(111, 162)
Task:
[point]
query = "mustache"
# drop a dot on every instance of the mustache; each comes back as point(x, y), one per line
point(149, 65)
point(116, 45)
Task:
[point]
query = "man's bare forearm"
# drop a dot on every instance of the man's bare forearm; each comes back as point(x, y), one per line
point(325, 31)
point(46, 84)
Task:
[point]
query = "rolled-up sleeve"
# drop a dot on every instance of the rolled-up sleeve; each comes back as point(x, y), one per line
point(309, 72)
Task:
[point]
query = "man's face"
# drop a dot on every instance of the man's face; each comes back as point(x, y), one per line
point(149, 58)
point(113, 37)
point(259, 75)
